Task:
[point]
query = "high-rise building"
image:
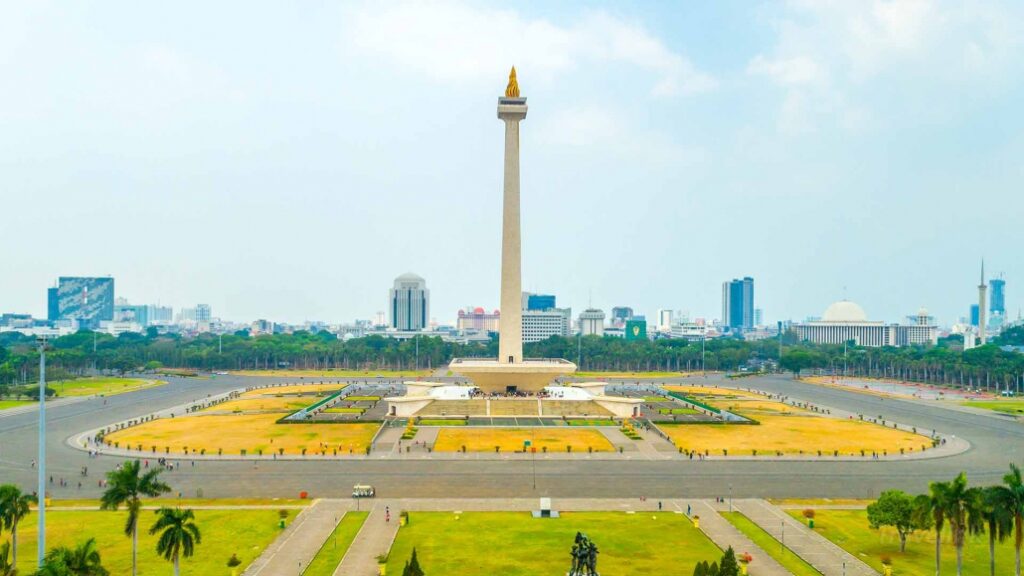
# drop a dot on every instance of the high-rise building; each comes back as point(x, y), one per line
point(998, 303)
point(975, 315)
point(52, 304)
point(665, 319)
point(125, 312)
point(758, 317)
point(159, 315)
point(87, 300)
point(203, 313)
point(738, 304)
point(620, 314)
point(538, 301)
point(409, 303)
point(592, 322)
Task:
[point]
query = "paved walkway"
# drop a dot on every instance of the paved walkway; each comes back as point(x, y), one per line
point(826, 557)
point(724, 534)
point(374, 538)
point(295, 548)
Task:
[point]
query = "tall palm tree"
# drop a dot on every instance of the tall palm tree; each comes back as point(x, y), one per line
point(1011, 496)
point(998, 518)
point(933, 504)
point(179, 537)
point(963, 509)
point(6, 565)
point(83, 560)
point(14, 505)
point(127, 486)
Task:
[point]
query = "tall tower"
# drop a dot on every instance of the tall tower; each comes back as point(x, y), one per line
point(982, 308)
point(511, 110)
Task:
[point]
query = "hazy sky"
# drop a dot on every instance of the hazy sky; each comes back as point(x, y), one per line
point(288, 160)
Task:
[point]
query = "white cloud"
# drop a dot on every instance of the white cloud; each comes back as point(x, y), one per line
point(450, 41)
point(788, 71)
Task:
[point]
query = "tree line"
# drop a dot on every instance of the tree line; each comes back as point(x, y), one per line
point(83, 352)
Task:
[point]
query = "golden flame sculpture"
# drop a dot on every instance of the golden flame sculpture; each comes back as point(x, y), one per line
point(512, 91)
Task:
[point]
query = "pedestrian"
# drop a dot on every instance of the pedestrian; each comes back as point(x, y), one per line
point(659, 505)
point(687, 509)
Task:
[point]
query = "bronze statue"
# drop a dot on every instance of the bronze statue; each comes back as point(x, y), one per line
point(584, 556)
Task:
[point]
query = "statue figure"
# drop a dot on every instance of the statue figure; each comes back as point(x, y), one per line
point(584, 557)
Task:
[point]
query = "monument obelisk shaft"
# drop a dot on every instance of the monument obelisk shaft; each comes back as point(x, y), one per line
point(512, 110)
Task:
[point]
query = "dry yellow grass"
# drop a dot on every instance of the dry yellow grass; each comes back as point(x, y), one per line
point(333, 373)
point(250, 432)
point(792, 434)
point(309, 389)
point(283, 404)
point(713, 391)
point(511, 439)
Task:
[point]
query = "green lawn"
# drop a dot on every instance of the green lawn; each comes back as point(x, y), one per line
point(105, 386)
point(1006, 406)
point(333, 550)
point(789, 560)
point(849, 529)
point(656, 399)
point(584, 422)
point(427, 422)
point(224, 532)
point(516, 544)
point(343, 410)
point(360, 398)
point(677, 411)
point(5, 404)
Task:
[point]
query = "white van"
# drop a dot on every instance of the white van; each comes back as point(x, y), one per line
point(363, 491)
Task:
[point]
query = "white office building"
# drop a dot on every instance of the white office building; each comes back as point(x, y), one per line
point(542, 324)
point(592, 322)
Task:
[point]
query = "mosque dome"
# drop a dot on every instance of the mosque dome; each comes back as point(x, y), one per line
point(844, 311)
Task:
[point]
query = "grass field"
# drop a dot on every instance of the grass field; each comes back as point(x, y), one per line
point(441, 422)
point(790, 561)
point(360, 398)
point(300, 389)
point(586, 422)
point(105, 386)
point(849, 529)
point(251, 432)
point(94, 504)
point(284, 404)
point(1005, 406)
point(520, 545)
point(5, 404)
point(677, 411)
point(511, 439)
point(334, 373)
point(224, 532)
point(327, 559)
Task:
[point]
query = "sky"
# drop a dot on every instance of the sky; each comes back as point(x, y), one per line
point(289, 160)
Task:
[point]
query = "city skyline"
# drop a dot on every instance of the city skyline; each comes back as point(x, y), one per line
point(781, 144)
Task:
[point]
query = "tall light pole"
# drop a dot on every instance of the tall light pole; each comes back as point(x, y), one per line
point(703, 338)
point(42, 451)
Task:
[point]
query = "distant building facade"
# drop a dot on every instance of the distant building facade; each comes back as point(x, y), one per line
point(85, 300)
point(738, 304)
point(542, 324)
point(408, 303)
point(538, 301)
point(845, 321)
point(478, 319)
point(636, 329)
point(592, 322)
point(665, 319)
point(620, 314)
point(997, 304)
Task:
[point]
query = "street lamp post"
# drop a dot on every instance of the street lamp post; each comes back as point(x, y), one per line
point(41, 552)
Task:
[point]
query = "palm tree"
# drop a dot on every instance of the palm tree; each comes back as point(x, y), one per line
point(963, 508)
point(180, 535)
point(14, 505)
point(1011, 496)
point(933, 504)
point(127, 486)
point(83, 560)
point(6, 565)
point(999, 519)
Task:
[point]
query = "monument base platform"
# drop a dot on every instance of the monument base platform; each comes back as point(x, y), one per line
point(495, 377)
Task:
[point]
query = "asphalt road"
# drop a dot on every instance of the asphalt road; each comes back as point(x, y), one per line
point(995, 443)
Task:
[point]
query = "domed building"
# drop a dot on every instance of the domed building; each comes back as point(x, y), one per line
point(846, 321)
point(478, 319)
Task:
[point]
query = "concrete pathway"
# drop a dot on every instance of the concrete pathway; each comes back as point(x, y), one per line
point(295, 548)
point(374, 538)
point(724, 534)
point(818, 551)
